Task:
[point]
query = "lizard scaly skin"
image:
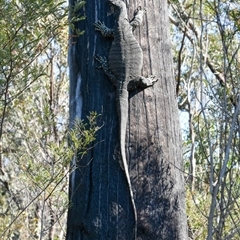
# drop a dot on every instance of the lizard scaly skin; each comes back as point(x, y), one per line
point(124, 67)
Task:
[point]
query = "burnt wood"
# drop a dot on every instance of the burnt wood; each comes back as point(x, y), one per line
point(101, 204)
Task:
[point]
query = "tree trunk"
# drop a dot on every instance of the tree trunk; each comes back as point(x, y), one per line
point(100, 201)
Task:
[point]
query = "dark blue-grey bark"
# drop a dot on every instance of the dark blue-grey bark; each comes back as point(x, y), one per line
point(100, 201)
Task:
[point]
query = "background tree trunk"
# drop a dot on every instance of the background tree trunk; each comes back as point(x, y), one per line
point(100, 202)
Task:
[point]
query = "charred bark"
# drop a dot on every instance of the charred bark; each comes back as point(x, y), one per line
point(100, 201)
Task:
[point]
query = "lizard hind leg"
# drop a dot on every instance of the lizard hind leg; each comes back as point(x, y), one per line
point(103, 62)
point(147, 82)
point(141, 82)
point(104, 65)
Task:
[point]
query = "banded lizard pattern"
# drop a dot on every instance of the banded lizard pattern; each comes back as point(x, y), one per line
point(123, 68)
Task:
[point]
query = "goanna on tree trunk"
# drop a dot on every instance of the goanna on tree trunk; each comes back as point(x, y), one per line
point(101, 204)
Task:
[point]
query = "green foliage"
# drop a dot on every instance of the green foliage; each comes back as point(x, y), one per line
point(35, 154)
point(75, 17)
point(197, 209)
point(82, 134)
point(206, 37)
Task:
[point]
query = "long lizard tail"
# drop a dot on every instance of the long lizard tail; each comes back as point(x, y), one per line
point(122, 103)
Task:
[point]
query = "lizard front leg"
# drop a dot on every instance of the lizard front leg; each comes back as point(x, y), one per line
point(105, 31)
point(138, 17)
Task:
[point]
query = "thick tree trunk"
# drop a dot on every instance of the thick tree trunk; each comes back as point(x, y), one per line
point(100, 201)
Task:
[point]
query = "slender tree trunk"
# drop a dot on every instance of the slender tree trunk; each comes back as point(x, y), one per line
point(100, 201)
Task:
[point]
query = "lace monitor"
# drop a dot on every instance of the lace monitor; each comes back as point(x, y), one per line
point(123, 68)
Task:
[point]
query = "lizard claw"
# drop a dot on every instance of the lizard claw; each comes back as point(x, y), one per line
point(138, 17)
point(153, 79)
point(102, 61)
point(140, 9)
point(99, 26)
point(147, 82)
